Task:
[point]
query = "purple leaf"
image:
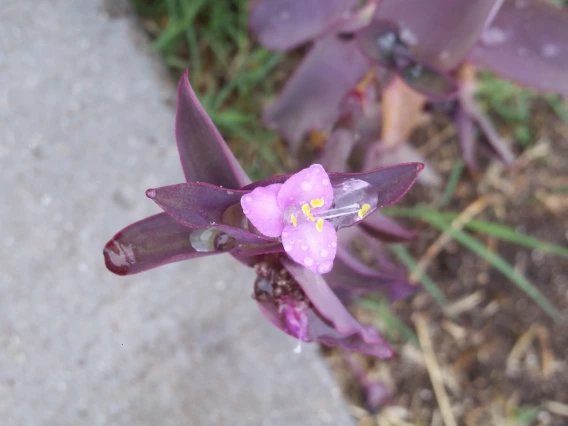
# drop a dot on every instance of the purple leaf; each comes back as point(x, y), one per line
point(338, 149)
point(201, 205)
point(379, 156)
point(390, 183)
point(430, 82)
point(343, 329)
point(285, 24)
point(149, 243)
point(493, 141)
point(528, 43)
point(442, 32)
point(311, 98)
point(386, 229)
point(203, 153)
point(352, 278)
point(466, 132)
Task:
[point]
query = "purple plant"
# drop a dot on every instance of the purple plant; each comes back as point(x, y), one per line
point(430, 47)
point(284, 226)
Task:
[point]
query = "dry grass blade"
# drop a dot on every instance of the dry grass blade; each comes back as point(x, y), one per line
point(474, 209)
point(524, 343)
point(434, 370)
point(558, 408)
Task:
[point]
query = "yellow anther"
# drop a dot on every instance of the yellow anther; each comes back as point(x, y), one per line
point(319, 224)
point(294, 219)
point(318, 202)
point(307, 211)
point(363, 211)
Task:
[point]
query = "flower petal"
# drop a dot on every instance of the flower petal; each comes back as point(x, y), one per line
point(200, 205)
point(527, 43)
point(285, 24)
point(343, 330)
point(261, 208)
point(311, 98)
point(310, 247)
point(203, 153)
point(441, 32)
point(149, 243)
point(311, 183)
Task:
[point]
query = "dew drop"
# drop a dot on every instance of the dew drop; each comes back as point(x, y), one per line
point(334, 244)
point(288, 248)
point(549, 51)
point(325, 181)
point(325, 267)
point(308, 261)
point(284, 15)
point(324, 253)
point(304, 248)
point(306, 186)
point(210, 239)
point(151, 193)
point(493, 36)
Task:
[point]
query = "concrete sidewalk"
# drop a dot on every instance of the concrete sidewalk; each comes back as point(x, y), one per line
point(86, 125)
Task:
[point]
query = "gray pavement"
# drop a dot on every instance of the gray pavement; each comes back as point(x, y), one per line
point(86, 125)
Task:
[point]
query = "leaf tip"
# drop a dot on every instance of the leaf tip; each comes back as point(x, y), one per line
point(151, 193)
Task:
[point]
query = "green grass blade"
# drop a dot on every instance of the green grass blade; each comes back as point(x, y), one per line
point(503, 232)
point(498, 263)
point(391, 321)
point(453, 180)
point(430, 286)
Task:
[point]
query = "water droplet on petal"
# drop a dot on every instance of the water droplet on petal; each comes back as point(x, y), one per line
point(324, 253)
point(288, 248)
point(325, 267)
point(306, 186)
point(325, 181)
point(493, 36)
point(151, 193)
point(304, 248)
point(308, 261)
point(549, 50)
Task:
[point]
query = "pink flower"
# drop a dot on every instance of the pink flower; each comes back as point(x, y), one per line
point(300, 212)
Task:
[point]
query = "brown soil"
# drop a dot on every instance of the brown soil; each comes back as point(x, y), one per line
point(498, 353)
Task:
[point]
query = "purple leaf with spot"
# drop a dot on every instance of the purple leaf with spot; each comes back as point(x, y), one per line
point(442, 32)
point(203, 153)
point(311, 98)
point(528, 43)
point(285, 24)
point(149, 243)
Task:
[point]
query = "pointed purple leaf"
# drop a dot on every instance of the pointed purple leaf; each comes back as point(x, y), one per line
point(149, 243)
point(390, 183)
point(352, 278)
point(440, 32)
point(285, 24)
point(432, 83)
point(495, 144)
point(528, 43)
point(203, 153)
point(386, 229)
point(466, 133)
point(343, 330)
point(311, 98)
point(379, 156)
point(201, 205)
point(337, 150)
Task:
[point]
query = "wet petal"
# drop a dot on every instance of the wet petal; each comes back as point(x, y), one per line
point(310, 247)
point(200, 205)
point(149, 243)
point(527, 43)
point(342, 330)
point(442, 32)
point(285, 24)
point(311, 98)
point(203, 153)
point(309, 184)
point(261, 208)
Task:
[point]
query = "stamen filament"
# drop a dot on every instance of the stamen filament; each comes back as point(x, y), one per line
point(341, 211)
